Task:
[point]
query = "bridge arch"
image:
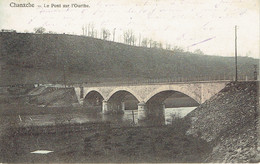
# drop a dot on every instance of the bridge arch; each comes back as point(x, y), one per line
point(124, 89)
point(93, 91)
point(93, 98)
point(168, 90)
point(120, 100)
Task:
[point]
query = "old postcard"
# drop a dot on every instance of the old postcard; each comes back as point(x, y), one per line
point(112, 81)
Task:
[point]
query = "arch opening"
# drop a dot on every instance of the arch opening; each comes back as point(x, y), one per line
point(172, 99)
point(161, 106)
point(93, 101)
point(123, 100)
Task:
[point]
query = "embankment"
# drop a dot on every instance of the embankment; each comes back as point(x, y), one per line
point(228, 121)
point(53, 97)
point(40, 96)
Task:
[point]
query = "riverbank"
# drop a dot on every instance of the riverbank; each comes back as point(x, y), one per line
point(38, 96)
point(122, 144)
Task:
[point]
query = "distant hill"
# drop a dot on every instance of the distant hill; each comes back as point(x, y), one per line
point(42, 58)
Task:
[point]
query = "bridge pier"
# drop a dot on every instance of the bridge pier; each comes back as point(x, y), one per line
point(142, 111)
point(123, 105)
point(104, 106)
point(156, 113)
point(151, 113)
point(117, 107)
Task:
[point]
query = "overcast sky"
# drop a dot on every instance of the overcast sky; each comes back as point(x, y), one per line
point(207, 25)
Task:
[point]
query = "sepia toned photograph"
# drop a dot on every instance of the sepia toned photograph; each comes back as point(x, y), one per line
point(129, 81)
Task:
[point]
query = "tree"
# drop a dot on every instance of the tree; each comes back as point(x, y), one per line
point(160, 45)
point(105, 34)
point(133, 40)
point(199, 52)
point(114, 34)
point(150, 42)
point(178, 49)
point(168, 46)
point(128, 35)
point(39, 30)
point(144, 42)
point(52, 32)
point(95, 33)
point(90, 30)
point(154, 44)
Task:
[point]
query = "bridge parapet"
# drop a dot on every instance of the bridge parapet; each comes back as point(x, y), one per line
point(172, 80)
point(152, 82)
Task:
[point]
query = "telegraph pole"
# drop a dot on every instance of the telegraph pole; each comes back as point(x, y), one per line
point(236, 50)
point(139, 39)
point(83, 29)
point(114, 33)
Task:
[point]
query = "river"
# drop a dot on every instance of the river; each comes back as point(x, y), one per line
point(129, 117)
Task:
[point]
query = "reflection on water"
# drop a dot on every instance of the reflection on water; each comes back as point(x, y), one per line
point(168, 112)
point(182, 111)
point(129, 117)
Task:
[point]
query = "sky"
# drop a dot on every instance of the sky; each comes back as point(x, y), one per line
point(208, 25)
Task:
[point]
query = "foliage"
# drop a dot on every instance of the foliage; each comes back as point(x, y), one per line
point(129, 37)
point(91, 30)
point(144, 42)
point(178, 49)
point(105, 34)
point(199, 52)
point(179, 124)
point(39, 30)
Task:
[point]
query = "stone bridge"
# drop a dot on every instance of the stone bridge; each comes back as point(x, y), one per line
point(112, 97)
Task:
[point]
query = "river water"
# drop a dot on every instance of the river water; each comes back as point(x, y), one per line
point(168, 113)
point(129, 117)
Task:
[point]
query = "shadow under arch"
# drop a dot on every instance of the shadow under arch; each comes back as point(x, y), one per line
point(124, 89)
point(161, 96)
point(123, 100)
point(93, 101)
point(155, 106)
point(190, 92)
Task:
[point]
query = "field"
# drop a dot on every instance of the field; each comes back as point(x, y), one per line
point(124, 144)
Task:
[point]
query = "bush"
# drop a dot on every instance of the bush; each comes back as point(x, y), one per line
point(180, 124)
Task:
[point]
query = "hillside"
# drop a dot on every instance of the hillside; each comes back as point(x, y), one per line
point(30, 58)
point(228, 122)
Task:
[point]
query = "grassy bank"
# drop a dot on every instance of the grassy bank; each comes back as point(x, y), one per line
point(126, 144)
point(27, 109)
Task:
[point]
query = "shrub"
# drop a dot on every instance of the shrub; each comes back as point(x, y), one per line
point(180, 124)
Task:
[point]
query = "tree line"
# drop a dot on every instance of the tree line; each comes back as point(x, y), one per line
point(129, 38)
